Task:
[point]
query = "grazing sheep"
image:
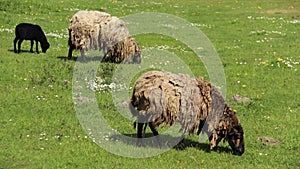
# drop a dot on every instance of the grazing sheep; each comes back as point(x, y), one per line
point(99, 30)
point(161, 97)
point(26, 31)
point(84, 30)
point(117, 44)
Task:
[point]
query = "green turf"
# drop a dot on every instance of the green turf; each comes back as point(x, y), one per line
point(257, 42)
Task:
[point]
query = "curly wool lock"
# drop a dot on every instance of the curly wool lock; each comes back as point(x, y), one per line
point(99, 30)
point(165, 98)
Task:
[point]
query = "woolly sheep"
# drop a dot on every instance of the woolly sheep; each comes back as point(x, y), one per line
point(84, 30)
point(99, 30)
point(27, 31)
point(162, 97)
point(117, 44)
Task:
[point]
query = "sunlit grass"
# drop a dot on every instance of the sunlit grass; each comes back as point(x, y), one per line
point(258, 43)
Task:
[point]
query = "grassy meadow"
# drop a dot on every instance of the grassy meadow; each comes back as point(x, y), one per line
point(257, 42)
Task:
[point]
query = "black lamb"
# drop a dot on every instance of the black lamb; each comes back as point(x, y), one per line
point(27, 31)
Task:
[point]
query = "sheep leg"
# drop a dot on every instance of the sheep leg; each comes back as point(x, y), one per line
point(202, 122)
point(82, 54)
point(155, 133)
point(70, 51)
point(37, 47)
point(140, 134)
point(144, 130)
point(214, 141)
point(31, 46)
point(180, 145)
point(15, 45)
point(19, 45)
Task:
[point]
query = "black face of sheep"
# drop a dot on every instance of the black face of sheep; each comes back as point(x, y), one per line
point(26, 31)
point(137, 57)
point(45, 47)
point(235, 135)
point(236, 140)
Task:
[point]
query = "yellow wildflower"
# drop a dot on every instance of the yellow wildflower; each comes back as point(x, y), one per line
point(265, 63)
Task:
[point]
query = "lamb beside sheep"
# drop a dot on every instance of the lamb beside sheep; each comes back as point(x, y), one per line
point(165, 98)
point(99, 30)
point(26, 31)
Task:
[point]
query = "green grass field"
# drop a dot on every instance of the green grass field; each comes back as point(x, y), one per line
point(257, 42)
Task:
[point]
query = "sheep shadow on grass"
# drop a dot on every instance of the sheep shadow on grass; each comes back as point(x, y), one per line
point(80, 59)
point(185, 144)
point(22, 51)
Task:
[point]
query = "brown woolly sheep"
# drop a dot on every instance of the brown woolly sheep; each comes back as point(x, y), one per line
point(162, 97)
point(98, 30)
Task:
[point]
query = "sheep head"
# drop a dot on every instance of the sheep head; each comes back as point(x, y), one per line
point(231, 130)
point(45, 46)
point(132, 50)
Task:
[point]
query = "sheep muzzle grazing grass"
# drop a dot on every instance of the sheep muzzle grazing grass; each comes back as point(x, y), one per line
point(165, 98)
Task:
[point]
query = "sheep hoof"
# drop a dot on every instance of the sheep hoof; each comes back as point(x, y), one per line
point(180, 146)
point(214, 148)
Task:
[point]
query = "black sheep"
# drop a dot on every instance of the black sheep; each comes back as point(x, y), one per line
point(27, 31)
